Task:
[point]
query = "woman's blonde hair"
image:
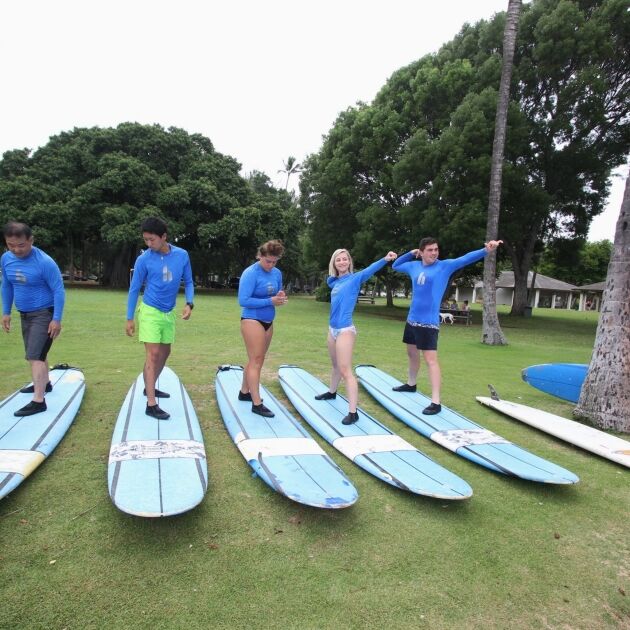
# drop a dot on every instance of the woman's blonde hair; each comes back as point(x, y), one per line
point(332, 270)
point(271, 248)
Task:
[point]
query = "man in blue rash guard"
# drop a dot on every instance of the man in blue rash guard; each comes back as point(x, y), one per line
point(429, 278)
point(32, 279)
point(345, 285)
point(160, 268)
point(259, 292)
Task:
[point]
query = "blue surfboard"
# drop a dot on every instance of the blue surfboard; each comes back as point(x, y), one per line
point(157, 467)
point(279, 450)
point(563, 380)
point(368, 443)
point(459, 434)
point(26, 441)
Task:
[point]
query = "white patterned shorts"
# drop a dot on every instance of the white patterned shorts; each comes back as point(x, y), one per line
point(335, 332)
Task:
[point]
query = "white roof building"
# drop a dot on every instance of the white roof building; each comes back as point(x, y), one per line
point(547, 292)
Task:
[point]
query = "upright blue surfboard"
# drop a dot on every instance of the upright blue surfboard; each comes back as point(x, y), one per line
point(157, 467)
point(26, 441)
point(368, 443)
point(279, 450)
point(459, 434)
point(563, 380)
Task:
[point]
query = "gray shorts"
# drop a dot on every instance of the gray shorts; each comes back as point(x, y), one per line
point(37, 342)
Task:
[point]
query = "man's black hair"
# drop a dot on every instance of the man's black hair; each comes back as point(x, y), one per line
point(153, 225)
point(427, 240)
point(15, 228)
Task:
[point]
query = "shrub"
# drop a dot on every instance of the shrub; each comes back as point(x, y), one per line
point(322, 292)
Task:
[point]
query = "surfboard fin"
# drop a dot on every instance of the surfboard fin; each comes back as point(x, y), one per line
point(493, 393)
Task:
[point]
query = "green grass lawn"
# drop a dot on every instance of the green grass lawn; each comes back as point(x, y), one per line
point(516, 555)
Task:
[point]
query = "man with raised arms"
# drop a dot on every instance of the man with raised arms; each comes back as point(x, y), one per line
point(429, 279)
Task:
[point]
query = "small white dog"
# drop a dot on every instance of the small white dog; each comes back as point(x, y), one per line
point(446, 317)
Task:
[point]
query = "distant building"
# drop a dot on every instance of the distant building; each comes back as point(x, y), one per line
point(590, 296)
point(547, 293)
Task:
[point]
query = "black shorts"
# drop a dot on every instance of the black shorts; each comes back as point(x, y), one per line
point(422, 337)
point(265, 325)
point(37, 341)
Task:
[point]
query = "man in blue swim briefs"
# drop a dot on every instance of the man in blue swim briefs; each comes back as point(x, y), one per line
point(429, 279)
point(31, 278)
point(161, 268)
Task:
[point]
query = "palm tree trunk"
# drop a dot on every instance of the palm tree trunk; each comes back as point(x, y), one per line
point(491, 329)
point(605, 396)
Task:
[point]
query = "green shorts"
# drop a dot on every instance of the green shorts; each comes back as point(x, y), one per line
point(154, 326)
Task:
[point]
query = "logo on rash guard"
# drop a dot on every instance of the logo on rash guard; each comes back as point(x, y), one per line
point(421, 278)
point(167, 274)
point(270, 288)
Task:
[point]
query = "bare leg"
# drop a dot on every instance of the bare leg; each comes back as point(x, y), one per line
point(257, 341)
point(156, 356)
point(435, 378)
point(39, 374)
point(413, 355)
point(345, 347)
point(335, 374)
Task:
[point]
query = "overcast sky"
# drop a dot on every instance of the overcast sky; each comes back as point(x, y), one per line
point(263, 79)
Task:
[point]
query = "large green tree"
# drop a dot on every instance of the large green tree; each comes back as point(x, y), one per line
point(349, 195)
point(86, 192)
point(576, 261)
point(425, 143)
point(573, 91)
point(231, 241)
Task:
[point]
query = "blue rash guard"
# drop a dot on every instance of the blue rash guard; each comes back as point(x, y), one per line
point(255, 290)
point(345, 290)
point(34, 282)
point(161, 275)
point(428, 284)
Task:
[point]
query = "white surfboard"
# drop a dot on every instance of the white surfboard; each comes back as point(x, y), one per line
point(593, 440)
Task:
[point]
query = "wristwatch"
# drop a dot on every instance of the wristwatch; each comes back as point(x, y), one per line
point(191, 305)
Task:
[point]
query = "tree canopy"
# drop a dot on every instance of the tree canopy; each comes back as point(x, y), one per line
point(576, 261)
point(86, 192)
point(416, 161)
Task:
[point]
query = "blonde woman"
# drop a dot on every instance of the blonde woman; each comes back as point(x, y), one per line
point(259, 292)
point(345, 284)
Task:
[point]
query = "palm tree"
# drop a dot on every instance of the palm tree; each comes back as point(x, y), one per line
point(605, 396)
point(491, 330)
point(291, 167)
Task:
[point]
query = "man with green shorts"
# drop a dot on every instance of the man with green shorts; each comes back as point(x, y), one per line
point(161, 269)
